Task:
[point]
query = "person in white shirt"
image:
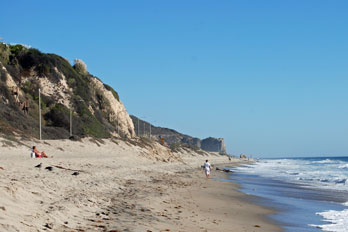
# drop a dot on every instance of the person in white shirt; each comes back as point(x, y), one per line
point(207, 168)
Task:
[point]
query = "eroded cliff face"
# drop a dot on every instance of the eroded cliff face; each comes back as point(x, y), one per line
point(115, 110)
point(95, 107)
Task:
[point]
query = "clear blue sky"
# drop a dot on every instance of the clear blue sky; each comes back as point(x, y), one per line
point(271, 77)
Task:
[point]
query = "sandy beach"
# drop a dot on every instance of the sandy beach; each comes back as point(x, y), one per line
point(116, 185)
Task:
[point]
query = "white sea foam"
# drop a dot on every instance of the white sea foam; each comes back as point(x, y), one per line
point(326, 161)
point(338, 220)
point(343, 166)
point(325, 174)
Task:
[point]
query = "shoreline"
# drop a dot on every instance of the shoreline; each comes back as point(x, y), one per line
point(194, 203)
point(253, 200)
point(222, 207)
point(301, 205)
point(120, 187)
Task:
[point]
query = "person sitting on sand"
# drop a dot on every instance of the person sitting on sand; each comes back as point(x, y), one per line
point(39, 154)
point(207, 168)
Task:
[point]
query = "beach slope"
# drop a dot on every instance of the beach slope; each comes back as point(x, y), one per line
point(119, 185)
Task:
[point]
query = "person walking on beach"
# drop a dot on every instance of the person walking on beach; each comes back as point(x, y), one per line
point(207, 168)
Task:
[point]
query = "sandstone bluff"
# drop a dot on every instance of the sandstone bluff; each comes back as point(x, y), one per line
point(73, 101)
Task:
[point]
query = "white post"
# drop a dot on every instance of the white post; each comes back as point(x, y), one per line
point(118, 126)
point(40, 110)
point(138, 128)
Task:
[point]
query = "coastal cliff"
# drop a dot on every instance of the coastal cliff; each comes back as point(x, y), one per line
point(95, 107)
point(175, 138)
point(73, 102)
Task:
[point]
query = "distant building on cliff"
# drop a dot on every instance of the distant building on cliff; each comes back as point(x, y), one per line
point(213, 144)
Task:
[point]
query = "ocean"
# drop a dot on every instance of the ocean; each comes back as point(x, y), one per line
point(309, 194)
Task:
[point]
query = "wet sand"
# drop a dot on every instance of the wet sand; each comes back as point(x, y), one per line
point(198, 204)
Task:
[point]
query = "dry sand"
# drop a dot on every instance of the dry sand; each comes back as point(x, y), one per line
point(119, 187)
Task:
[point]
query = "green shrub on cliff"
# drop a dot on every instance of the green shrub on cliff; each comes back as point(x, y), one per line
point(112, 91)
point(16, 49)
point(20, 62)
point(58, 116)
point(88, 123)
point(4, 53)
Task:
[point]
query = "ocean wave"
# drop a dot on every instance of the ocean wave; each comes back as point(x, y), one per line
point(326, 161)
point(335, 181)
point(293, 173)
point(325, 173)
point(328, 174)
point(344, 166)
point(341, 181)
point(337, 220)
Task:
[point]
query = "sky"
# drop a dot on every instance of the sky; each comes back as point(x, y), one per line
point(270, 77)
